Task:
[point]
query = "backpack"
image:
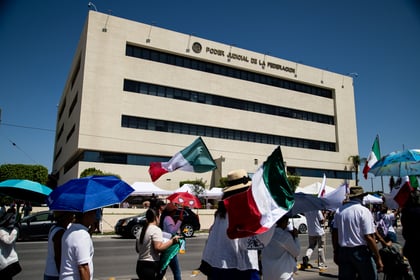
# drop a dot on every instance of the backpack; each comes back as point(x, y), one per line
point(394, 266)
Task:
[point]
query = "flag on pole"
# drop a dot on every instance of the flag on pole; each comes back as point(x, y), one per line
point(401, 193)
point(321, 192)
point(194, 158)
point(373, 157)
point(414, 181)
point(267, 200)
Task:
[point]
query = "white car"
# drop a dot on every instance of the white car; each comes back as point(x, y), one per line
point(298, 221)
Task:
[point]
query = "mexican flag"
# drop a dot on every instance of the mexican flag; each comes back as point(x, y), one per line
point(267, 200)
point(373, 157)
point(194, 158)
point(401, 193)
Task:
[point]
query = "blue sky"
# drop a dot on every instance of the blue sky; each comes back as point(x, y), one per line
point(379, 40)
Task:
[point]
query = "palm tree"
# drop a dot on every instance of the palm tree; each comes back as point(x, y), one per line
point(355, 161)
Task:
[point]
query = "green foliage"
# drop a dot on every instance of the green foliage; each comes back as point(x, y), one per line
point(294, 181)
point(37, 173)
point(93, 171)
point(196, 182)
point(222, 182)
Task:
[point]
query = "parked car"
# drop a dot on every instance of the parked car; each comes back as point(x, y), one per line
point(129, 227)
point(36, 225)
point(299, 222)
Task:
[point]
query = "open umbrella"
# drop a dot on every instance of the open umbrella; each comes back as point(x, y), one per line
point(307, 202)
point(185, 199)
point(25, 190)
point(88, 193)
point(399, 164)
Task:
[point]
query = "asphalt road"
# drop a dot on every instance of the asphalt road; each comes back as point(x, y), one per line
point(115, 259)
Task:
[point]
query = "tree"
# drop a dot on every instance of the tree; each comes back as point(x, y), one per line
point(197, 185)
point(293, 180)
point(36, 173)
point(93, 171)
point(355, 161)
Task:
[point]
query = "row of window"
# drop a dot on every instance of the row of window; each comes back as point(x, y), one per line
point(199, 97)
point(223, 133)
point(318, 173)
point(145, 160)
point(186, 62)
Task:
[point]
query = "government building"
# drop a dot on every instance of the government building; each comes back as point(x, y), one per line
point(137, 93)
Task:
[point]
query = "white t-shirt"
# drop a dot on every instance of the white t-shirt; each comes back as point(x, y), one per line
point(76, 249)
point(279, 256)
point(146, 250)
point(313, 219)
point(353, 221)
point(7, 247)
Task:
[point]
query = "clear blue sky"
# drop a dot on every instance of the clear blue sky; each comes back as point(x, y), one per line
point(379, 40)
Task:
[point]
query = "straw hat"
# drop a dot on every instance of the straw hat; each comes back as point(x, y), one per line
point(237, 179)
point(356, 192)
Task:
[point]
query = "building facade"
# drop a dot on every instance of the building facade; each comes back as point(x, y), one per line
point(138, 93)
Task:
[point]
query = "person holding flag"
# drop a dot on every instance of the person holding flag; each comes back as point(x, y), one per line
point(224, 257)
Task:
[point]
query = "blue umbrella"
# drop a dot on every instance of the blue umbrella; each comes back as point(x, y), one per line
point(306, 203)
point(25, 190)
point(399, 164)
point(89, 193)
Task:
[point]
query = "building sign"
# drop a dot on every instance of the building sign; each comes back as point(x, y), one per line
point(243, 58)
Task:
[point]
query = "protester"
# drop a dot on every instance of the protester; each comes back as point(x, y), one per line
point(77, 248)
point(410, 216)
point(225, 258)
point(169, 225)
point(26, 208)
point(387, 220)
point(316, 237)
point(280, 255)
point(354, 243)
point(149, 245)
point(55, 235)
point(9, 261)
point(97, 227)
point(160, 207)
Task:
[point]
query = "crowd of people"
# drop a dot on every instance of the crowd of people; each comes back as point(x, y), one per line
point(356, 232)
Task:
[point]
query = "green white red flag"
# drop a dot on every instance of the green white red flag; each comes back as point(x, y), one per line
point(373, 157)
point(401, 193)
point(194, 158)
point(270, 197)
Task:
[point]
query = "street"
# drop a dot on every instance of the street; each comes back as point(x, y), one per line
point(116, 257)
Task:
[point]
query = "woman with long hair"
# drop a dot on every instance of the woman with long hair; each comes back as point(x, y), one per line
point(149, 245)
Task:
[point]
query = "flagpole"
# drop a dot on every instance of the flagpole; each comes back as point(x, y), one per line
point(382, 181)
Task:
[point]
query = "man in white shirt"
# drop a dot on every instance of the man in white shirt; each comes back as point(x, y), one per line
point(316, 237)
point(354, 240)
point(77, 249)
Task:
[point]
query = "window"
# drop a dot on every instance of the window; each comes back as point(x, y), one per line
point(223, 133)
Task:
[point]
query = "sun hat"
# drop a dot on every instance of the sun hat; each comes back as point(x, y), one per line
point(356, 192)
point(237, 179)
point(170, 207)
